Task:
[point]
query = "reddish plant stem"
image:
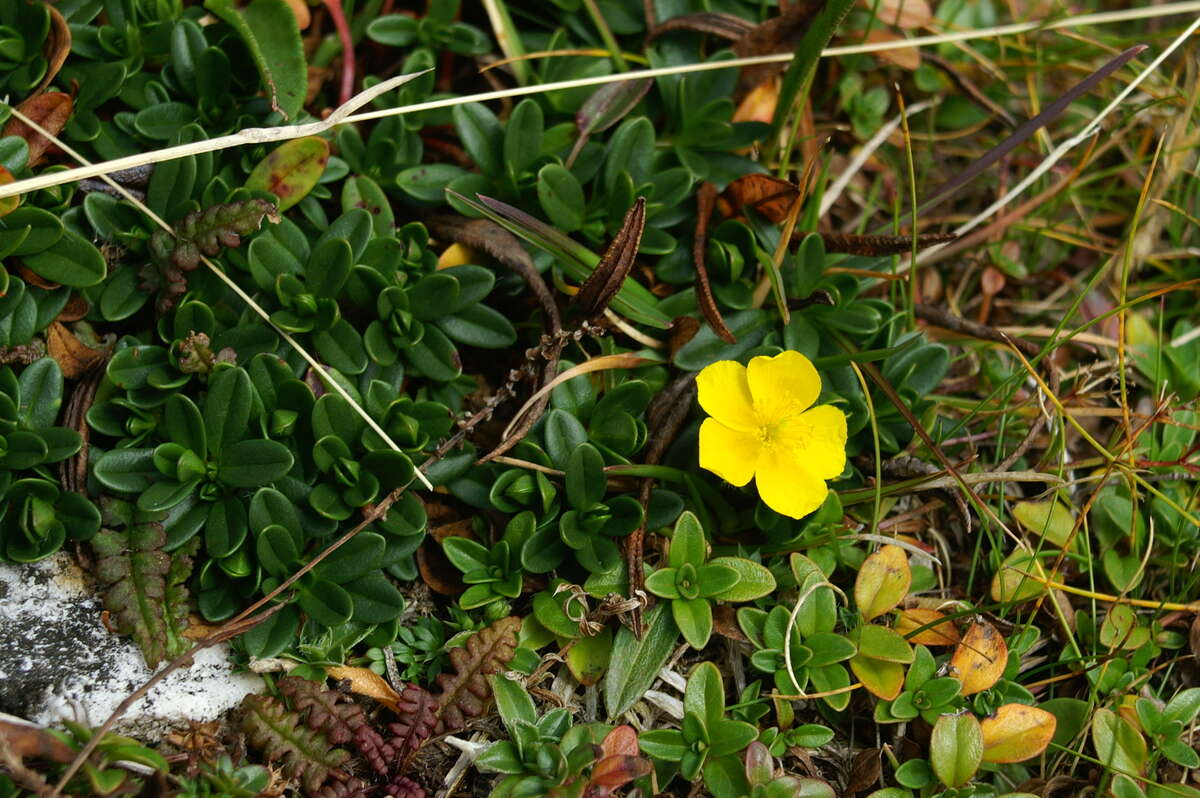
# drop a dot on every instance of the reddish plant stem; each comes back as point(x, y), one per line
point(348, 67)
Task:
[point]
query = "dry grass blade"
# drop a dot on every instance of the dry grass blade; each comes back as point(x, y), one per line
point(587, 367)
point(604, 282)
point(1049, 114)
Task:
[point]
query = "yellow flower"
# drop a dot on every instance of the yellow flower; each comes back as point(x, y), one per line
point(762, 427)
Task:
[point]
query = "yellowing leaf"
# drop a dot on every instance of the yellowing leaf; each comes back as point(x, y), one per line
point(941, 633)
point(8, 204)
point(1016, 733)
point(366, 682)
point(291, 170)
point(1017, 578)
point(980, 658)
point(881, 679)
point(1049, 519)
point(759, 103)
point(882, 581)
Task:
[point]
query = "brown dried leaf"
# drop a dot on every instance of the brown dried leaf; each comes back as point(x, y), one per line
point(706, 197)
point(759, 103)
point(904, 57)
point(940, 632)
point(50, 111)
point(904, 14)
point(879, 246)
point(74, 357)
point(781, 34)
point(27, 741)
point(717, 23)
point(436, 570)
point(683, 329)
point(76, 308)
point(605, 281)
point(56, 47)
point(768, 195)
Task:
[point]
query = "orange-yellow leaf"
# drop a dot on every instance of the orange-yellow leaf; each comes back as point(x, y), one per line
point(1016, 733)
point(8, 204)
point(366, 682)
point(759, 103)
point(980, 658)
point(883, 581)
point(941, 633)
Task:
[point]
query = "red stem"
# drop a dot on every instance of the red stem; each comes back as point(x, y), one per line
point(343, 29)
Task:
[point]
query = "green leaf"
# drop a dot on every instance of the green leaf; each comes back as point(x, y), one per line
point(72, 260)
point(481, 135)
point(253, 463)
point(636, 663)
point(882, 643)
point(376, 599)
point(586, 483)
point(326, 603)
point(465, 554)
point(797, 81)
point(704, 695)
point(276, 550)
point(748, 326)
point(513, 701)
point(356, 559)
point(523, 136)
point(956, 748)
point(227, 408)
point(754, 579)
point(1184, 706)
point(694, 619)
point(479, 326)
point(561, 197)
point(342, 347)
point(665, 744)
point(1118, 744)
point(291, 170)
point(40, 388)
point(269, 29)
point(688, 544)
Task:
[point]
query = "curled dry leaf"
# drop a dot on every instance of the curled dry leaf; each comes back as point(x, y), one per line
point(365, 681)
point(51, 112)
point(705, 199)
point(768, 195)
point(883, 580)
point(980, 659)
point(1016, 733)
point(599, 289)
point(939, 631)
point(56, 48)
point(74, 357)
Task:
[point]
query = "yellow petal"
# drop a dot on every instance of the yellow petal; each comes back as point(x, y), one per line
point(817, 438)
point(730, 454)
point(724, 394)
point(783, 385)
point(786, 486)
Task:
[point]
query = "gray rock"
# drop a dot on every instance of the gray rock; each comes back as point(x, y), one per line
point(58, 661)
